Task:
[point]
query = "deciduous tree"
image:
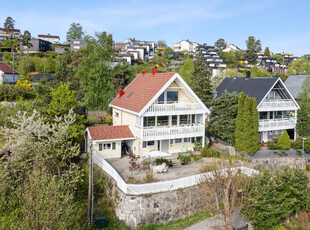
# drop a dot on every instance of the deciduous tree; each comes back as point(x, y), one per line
point(302, 65)
point(75, 31)
point(220, 44)
point(187, 69)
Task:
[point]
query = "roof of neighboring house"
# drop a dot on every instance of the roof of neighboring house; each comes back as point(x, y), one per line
point(15, 30)
point(141, 90)
point(7, 69)
point(253, 87)
point(110, 132)
point(294, 84)
point(48, 36)
point(39, 77)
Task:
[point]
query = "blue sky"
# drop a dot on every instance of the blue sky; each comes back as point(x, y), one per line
point(283, 25)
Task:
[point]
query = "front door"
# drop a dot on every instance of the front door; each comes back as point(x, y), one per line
point(165, 146)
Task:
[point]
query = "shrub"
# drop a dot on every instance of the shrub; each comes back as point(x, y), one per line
point(284, 141)
point(210, 152)
point(307, 167)
point(159, 161)
point(271, 145)
point(184, 159)
point(297, 144)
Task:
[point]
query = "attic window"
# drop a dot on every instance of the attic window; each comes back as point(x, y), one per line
point(129, 95)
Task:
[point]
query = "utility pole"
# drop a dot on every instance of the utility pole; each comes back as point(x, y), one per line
point(90, 186)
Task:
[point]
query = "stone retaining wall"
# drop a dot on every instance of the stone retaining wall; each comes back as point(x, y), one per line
point(279, 163)
point(160, 207)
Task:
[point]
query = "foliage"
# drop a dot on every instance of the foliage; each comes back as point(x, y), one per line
point(253, 47)
point(75, 31)
point(284, 141)
point(95, 71)
point(26, 84)
point(297, 144)
point(303, 114)
point(63, 71)
point(187, 69)
point(159, 161)
point(246, 135)
point(220, 44)
point(279, 58)
point(26, 37)
point(26, 65)
point(13, 93)
point(267, 52)
point(210, 152)
point(222, 120)
point(201, 80)
point(259, 72)
point(161, 44)
point(217, 80)
point(302, 65)
point(133, 163)
point(184, 158)
point(178, 224)
point(272, 196)
point(122, 76)
point(233, 58)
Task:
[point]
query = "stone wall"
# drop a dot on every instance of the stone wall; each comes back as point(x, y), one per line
point(160, 207)
point(279, 163)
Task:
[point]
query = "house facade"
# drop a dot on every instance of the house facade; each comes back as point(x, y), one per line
point(231, 47)
point(7, 74)
point(186, 46)
point(15, 33)
point(76, 44)
point(50, 38)
point(162, 112)
point(276, 106)
point(38, 45)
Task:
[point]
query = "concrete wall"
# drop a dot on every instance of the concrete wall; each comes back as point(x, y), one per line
point(160, 207)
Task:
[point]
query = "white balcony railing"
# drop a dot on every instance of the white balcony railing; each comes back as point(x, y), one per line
point(158, 133)
point(285, 104)
point(277, 124)
point(175, 107)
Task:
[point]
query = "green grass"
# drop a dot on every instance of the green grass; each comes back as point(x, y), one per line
point(178, 224)
point(113, 222)
point(2, 143)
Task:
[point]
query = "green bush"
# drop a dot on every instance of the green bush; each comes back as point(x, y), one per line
point(297, 144)
point(271, 145)
point(284, 141)
point(307, 167)
point(159, 161)
point(210, 152)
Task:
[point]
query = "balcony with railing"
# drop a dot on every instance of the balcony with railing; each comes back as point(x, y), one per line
point(277, 124)
point(277, 104)
point(174, 108)
point(172, 132)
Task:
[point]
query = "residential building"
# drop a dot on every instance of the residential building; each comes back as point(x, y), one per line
point(288, 58)
point(154, 113)
point(76, 44)
point(271, 65)
point(294, 84)
point(50, 38)
point(185, 46)
point(276, 106)
point(231, 47)
point(15, 33)
point(215, 62)
point(38, 45)
point(8, 74)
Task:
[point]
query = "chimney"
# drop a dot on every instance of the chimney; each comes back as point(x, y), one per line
point(121, 93)
point(248, 74)
point(144, 72)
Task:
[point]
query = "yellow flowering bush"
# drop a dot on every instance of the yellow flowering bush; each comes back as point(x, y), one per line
point(25, 84)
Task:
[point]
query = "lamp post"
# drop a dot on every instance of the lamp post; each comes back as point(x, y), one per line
point(303, 151)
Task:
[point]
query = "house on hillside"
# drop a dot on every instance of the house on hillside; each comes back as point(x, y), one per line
point(8, 74)
point(231, 47)
point(276, 106)
point(76, 44)
point(154, 113)
point(294, 84)
point(15, 33)
point(50, 38)
point(38, 45)
point(186, 46)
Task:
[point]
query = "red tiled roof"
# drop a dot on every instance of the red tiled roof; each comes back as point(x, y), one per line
point(110, 132)
point(15, 30)
point(143, 89)
point(48, 36)
point(7, 69)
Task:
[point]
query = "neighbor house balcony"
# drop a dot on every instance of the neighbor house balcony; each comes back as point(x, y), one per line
point(277, 105)
point(172, 132)
point(174, 109)
point(277, 124)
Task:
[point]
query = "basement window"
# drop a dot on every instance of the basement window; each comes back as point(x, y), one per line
point(129, 95)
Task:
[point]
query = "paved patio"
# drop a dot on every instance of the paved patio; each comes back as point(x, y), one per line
point(174, 172)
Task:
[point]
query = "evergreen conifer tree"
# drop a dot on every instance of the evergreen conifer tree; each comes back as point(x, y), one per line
point(239, 134)
point(253, 137)
point(201, 80)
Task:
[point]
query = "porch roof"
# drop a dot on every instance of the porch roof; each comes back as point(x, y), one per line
point(117, 132)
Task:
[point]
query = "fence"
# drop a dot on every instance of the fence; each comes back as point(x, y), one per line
point(163, 186)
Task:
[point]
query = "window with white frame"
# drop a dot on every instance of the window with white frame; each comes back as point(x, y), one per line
point(179, 140)
point(107, 146)
point(148, 143)
point(187, 139)
point(271, 94)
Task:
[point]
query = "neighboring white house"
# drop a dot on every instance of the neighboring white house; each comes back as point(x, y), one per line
point(186, 46)
point(231, 47)
point(7, 74)
point(276, 106)
point(50, 38)
point(161, 111)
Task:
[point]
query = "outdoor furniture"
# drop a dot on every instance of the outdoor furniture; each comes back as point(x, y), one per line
point(160, 168)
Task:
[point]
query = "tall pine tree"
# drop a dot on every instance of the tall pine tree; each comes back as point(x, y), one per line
point(240, 124)
point(253, 145)
point(201, 80)
point(303, 121)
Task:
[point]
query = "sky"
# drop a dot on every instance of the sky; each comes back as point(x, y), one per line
point(282, 25)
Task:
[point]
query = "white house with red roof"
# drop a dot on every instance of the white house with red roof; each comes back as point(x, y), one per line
point(8, 74)
point(231, 47)
point(162, 113)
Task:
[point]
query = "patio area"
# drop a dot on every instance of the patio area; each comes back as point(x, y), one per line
point(176, 171)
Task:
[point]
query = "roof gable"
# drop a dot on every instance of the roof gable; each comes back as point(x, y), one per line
point(253, 87)
point(143, 88)
point(110, 132)
point(7, 69)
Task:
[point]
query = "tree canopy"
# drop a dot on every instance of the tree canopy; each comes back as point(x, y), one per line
point(303, 121)
point(220, 44)
point(187, 69)
point(302, 65)
point(75, 31)
point(253, 47)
